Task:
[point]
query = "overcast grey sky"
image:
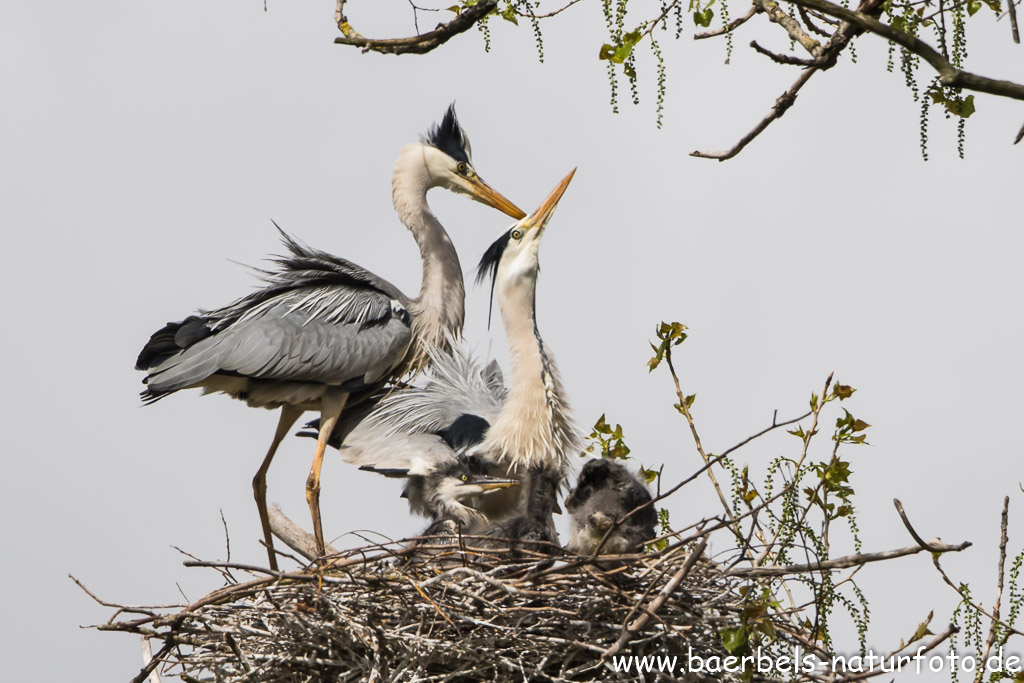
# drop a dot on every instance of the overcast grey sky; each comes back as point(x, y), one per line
point(145, 147)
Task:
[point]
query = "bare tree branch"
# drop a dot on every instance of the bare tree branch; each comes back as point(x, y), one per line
point(418, 44)
point(731, 26)
point(949, 75)
point(1000, 572)
point(792, 26)
point(1012, 11)
point(659, 600)
point(855, 560)
point(782, 59)
point(782, 103)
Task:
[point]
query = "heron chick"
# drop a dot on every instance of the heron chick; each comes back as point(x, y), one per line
point(605, 493)
point(448, 490)
point(324, 333)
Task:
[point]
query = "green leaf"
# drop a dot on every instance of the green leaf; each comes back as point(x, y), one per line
point(922, 629)
point(456, 9)
point(625, 48)
point(843, 391)
point(606, 53)
point(648, 475)
point(734, 639)
point(973, 6)
point(509, 14)
point(962, 108)
point(703, 17)
point(994, 5)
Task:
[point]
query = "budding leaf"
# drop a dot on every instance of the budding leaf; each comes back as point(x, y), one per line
point(843, 391)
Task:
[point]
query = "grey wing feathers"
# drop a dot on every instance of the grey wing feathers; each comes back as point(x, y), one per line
point(319, 319)
point(403, 430)
point(419, 454)
point(455, 385)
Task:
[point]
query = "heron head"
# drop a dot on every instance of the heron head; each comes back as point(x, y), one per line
point(464, 479)
point(449, 164)
point(515, 253)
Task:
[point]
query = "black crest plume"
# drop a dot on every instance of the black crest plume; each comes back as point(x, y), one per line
point(488, 266)
point(448, 137)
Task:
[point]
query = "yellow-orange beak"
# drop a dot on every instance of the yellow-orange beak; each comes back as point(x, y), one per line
point(539, 218)
point(484, 193)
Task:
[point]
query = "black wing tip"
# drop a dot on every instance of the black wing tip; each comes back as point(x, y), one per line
point(448, 136)
point(393, 472)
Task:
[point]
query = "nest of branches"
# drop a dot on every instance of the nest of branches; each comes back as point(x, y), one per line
point(445, 612)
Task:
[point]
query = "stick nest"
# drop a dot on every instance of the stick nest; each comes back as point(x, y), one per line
point(459, 615)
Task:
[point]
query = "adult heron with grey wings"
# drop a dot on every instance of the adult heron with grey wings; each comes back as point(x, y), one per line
point(323, 332)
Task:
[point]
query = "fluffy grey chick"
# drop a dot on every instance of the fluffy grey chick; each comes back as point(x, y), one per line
point(605, 493)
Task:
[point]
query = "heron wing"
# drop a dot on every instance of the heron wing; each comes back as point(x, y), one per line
point(319, 318)
point(455, 386)
point(285, 345)
point(416, 454)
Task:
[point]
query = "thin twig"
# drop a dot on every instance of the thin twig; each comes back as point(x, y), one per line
point(658, 601)
point(418, 44)
point(731, 26)
point(1000, 571)
point(782, 104)
point(845, 562)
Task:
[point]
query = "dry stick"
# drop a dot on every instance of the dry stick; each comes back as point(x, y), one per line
point(782, 104)
point(788, 60)
point(847, 561)
point(731, 26)
point(932, 644)
point(552, 13)
point(419, 44)
point(910, 528)
point(1012, 11)
point(658, 601)
point(999, 585)
point(945, 577)
point(294, 536)
point(152, 663)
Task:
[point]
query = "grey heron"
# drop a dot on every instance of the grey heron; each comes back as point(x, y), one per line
point(323, 332)
point(605, 493)
point(464, 409)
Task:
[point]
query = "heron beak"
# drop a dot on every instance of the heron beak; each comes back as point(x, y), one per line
point(487, 483)
point(485, 194)
point(539, 218)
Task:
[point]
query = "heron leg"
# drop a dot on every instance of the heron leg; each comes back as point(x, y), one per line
point(330, 408)
point(289, 414)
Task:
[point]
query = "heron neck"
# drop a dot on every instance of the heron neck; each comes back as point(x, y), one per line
point(533, 426)
point(439, 310)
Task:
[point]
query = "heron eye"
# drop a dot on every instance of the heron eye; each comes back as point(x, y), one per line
point(465, 478)
point(462, 167)
point(517, 234)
